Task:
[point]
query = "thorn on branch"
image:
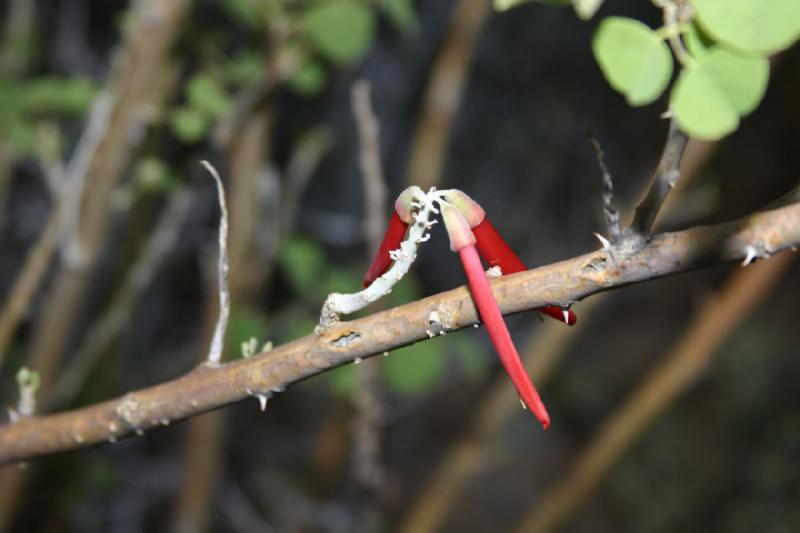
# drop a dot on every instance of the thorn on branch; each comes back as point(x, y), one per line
point(215, 350)
point(610, 212)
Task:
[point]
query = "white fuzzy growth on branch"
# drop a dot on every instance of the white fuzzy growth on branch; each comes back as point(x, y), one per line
point(338, 304)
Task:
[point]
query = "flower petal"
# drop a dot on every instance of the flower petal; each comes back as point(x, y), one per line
point(498, 333)
point(394, 235)
point(496, 252)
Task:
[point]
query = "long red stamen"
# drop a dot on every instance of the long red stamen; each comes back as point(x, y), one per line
point(394, 235)
point(498, 333)
point(496, 252)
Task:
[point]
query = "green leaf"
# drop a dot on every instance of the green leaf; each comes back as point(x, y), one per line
point(207, 95)
point(712, 93)
point(70, 96)
point(242, 10)
point(341, 30)
point(153, 175)
point(309, 79)
point(633, 58)
point(696, 40)
point(244, 67)
point(751, 25)
point(188, 124)
point(416, 368)
point(302, 262)
point(400, 12)
point(586, 8)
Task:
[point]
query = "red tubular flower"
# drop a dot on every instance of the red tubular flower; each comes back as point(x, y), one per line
point(463, 241)
point(391, 241)
point(496, 251)
point(395, 233)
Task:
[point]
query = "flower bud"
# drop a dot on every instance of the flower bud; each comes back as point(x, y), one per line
point(472, 212)
point(457, 228)
point(403, 205)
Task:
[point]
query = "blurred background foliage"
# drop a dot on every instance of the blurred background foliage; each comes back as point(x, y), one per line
point(496, 104)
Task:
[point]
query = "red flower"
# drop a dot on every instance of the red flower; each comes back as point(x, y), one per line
point(395, 233)
point(391, 241)
point(496, 251)
point(463, 241)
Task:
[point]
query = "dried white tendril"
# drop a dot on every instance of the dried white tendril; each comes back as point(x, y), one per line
point(423, 212)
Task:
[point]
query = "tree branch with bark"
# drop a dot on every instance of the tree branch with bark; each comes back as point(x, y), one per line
point(205, 388)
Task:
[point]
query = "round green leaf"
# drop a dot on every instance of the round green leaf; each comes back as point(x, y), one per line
point(400, 12)
point(309, 79)
point(697, 42)
point(633, 58)
point(188, 124)
point(341, 30)
point(207, 95)
point(713, 92)
point(751, 25)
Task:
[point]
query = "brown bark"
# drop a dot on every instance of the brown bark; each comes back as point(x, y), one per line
point(206, 388)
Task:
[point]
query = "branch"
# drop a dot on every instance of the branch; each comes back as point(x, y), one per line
point(205, 388)
point(444, 92)
point(368, 397)
point(667, 174)
point(370, 162)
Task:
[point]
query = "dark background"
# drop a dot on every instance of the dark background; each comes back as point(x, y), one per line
point(723, 457)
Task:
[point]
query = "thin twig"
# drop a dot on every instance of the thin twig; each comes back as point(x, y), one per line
point(368, 400)
point(678, 371)
point(208, 388)
point(665, 178)
point(215, 351)
point(29, 280)
point(609, 211)
point(370, 162)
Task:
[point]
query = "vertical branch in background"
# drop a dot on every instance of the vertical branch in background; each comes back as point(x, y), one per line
point(137, 92)
point(369, 403)
point(114, 319)
point(680, 368)
point(14, 53)
point(443, 94)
